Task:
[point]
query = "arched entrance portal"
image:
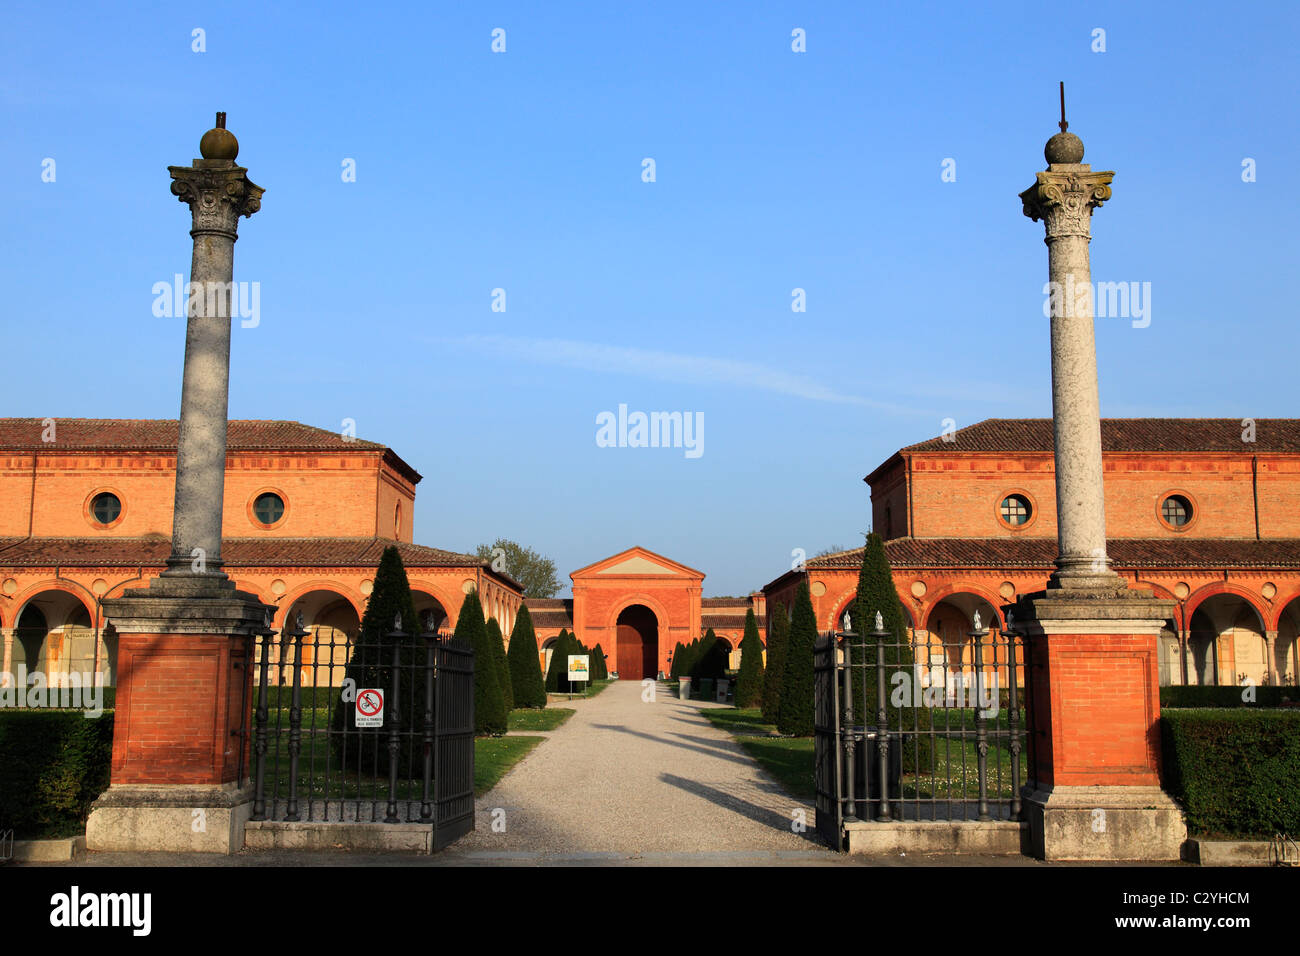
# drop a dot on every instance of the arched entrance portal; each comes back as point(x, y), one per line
point(638, 643)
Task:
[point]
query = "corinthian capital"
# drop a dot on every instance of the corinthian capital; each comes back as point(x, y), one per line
point(1064, 199)
point(218, 192)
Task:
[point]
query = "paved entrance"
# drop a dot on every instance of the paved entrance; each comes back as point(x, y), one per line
point(636, 779)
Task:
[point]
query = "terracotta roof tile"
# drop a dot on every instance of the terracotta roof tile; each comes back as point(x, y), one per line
point(1040, 553)
point(550, 612)
point(235, 552)
point(158, 434)
point(1272, 435)
point(96, 434)
point(729, 621)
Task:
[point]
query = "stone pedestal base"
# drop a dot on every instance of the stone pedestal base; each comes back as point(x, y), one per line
point(194, 819)
point(1094, 696)
point(1103, 823)
point(183, 706)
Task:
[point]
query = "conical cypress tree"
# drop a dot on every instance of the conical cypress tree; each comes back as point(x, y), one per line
point(711, 658)
point(876, 592)
point(371, 666)
point(498, 646)
point(676, 670)
point(749, 684)
point(525, 669)
point(557, 674)
point(489, 705)
point(796, 715)
point(778, 636)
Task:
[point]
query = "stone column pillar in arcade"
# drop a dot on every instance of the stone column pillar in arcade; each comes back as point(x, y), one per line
point(1094, 684)
point(184, 641)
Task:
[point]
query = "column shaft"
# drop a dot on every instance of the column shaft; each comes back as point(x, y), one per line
point(218, 192)
point(1064, 197)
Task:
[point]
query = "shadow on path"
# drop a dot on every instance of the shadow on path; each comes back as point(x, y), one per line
point(736, 804)
point(661, 739)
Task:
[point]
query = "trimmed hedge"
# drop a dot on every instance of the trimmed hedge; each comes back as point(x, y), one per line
point(1200, 696)
point(1234, 771)
point(53, 764)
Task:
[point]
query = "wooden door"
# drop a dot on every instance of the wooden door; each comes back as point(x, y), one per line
point(631, 653)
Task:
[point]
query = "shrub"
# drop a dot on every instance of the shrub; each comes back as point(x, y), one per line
point(489, 705)
point(553, 673)
point(709, 660)
point(371, 666)
point(525, 668)
point(599, 669)
point(53, 764)
point(498, 647)
point(876, 592)
point(749, 685)
point(1200, 696)
point(796, 714)
point(778, 637)
point(1234, 771)
point(557, 675)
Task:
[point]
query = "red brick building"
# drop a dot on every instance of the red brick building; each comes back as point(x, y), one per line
point(638, 605)
point(86, 508)
point(1205, 512)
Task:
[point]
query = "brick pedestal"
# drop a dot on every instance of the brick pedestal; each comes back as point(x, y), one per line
point(1095, 750)
point(178, 778)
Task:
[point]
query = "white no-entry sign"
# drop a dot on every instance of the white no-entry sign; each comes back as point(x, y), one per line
point(370, 707)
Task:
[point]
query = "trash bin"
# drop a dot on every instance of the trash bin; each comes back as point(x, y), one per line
point(866, 772)
point(706, 688)
point(723, 687)
point(684, 688)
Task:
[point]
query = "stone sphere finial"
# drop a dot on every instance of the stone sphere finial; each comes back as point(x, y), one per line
point(1064, 147)
point(219, 142)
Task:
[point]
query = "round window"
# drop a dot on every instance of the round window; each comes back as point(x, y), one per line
point(105, 508)
point(1176, 511)
point(268, 508)
point(1015, 510)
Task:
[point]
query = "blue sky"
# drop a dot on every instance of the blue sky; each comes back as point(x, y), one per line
point(775, 170)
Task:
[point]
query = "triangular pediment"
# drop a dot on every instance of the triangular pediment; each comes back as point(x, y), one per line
point(637, 561)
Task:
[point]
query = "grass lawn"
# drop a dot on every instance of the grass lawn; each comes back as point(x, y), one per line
point(788, 759)
point(595, 688)
point(950, 774)
point(494, 756)
point(748, 720)
point(526, 718)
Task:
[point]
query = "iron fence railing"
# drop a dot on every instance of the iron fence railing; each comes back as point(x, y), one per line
point(346, 730)
point(904, 733)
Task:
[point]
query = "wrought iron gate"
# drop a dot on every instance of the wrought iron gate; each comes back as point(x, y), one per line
point(827, 772)
point(902, 739)
point(358, 731)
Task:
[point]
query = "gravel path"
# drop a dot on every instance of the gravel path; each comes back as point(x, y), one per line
point(629, 778)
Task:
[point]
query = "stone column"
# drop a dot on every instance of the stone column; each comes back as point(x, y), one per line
point(7, 633)
point(1270, 658)
point(178, 779)
point(1064, 197)
point(218, 192)
point(1094, 684)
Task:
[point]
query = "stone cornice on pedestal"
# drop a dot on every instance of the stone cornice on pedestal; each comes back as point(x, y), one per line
point(188, 604)
point(1064, 196)
point(1103, 610)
